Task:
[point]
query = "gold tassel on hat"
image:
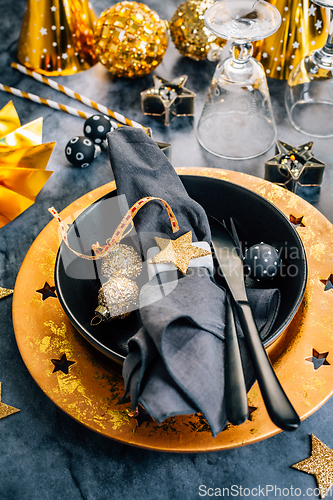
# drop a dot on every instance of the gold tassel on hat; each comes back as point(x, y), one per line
point(56, 36)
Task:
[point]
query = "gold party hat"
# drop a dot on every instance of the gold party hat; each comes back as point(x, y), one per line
point(304, 27)
point(57, 36)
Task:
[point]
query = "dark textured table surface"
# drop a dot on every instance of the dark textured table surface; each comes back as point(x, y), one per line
point(44, 454)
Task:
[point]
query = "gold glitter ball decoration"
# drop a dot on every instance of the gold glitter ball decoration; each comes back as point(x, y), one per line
point(122, 261)
point(190, 35)
point(179, 252)
point(320, 464)
point(119, 296)
point(130, 39)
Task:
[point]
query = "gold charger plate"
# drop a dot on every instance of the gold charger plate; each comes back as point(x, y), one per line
point(91, 390)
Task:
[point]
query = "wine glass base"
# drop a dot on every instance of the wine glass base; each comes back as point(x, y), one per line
point(312, 118)
point(235, 135)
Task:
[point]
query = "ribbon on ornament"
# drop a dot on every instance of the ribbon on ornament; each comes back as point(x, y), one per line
point(101, 251)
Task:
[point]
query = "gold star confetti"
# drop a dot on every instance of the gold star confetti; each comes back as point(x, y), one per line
point(6, 410)
point(320, 464)
point(179, 252)
point(4, 292)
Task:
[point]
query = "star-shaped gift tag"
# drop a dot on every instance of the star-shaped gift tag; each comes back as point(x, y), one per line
point(168, 99)
point(6, 410)
point(320, 464)
point(328, 283)
point(47, 291)
point(62, 364)
point(294, 167)
point(179, 252)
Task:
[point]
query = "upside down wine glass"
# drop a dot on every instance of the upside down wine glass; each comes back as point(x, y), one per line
point(237, 120)
point(309, 92)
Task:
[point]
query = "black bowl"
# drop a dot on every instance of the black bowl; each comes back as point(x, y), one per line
point(256, 220)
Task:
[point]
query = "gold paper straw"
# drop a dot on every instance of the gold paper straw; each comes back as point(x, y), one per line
point(70, 93)
point(50, 104)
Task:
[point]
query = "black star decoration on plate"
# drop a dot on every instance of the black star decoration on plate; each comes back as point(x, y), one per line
point(251, 410)
point(318, 359)
point(297, 221)
point(140, 415)
point(47, 291)
point(328, 283)
point(294, 167)
point(168, 99)
point(62, 364)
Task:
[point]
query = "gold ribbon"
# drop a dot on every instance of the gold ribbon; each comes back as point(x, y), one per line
point(101, 251)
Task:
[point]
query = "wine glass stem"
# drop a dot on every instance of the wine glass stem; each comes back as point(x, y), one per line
point(241, 52)
point(328, 47)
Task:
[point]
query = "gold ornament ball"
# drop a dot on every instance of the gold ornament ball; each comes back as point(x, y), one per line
point(119, 296)
point(123, 260)
point(130, 39)
point(190, 35)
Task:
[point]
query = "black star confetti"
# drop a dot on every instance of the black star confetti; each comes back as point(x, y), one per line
point(47, 291)
point(62, 364)
point(318, 359)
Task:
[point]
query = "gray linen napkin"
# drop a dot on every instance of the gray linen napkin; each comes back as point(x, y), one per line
point(175, 363)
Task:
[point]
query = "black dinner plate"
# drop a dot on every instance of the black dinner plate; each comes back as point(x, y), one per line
point(256, 220)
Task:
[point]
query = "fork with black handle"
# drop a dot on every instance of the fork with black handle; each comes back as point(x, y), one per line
point(277, 403)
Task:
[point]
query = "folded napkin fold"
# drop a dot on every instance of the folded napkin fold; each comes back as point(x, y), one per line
point(175, 363)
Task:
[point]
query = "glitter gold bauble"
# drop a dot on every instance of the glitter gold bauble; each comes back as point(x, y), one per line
point(130, 39)
point(190, 35)
point(119, 296)
point(122, 261)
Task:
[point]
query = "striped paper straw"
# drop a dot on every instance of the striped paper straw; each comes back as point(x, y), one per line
point(50, 104)
point(85, 100)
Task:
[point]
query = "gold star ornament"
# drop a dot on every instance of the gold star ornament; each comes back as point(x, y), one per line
point(320, 464)
point(6, 410)
point(179, 252)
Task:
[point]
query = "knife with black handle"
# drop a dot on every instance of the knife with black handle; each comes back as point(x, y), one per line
point(277, 403)
point(235, 389)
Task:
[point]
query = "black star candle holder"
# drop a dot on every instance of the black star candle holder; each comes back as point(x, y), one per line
point(168, 99)
point(296, 169)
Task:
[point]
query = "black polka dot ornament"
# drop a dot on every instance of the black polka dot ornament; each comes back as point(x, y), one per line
point(262, 262)
point(80, 151)
point(96, 127)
